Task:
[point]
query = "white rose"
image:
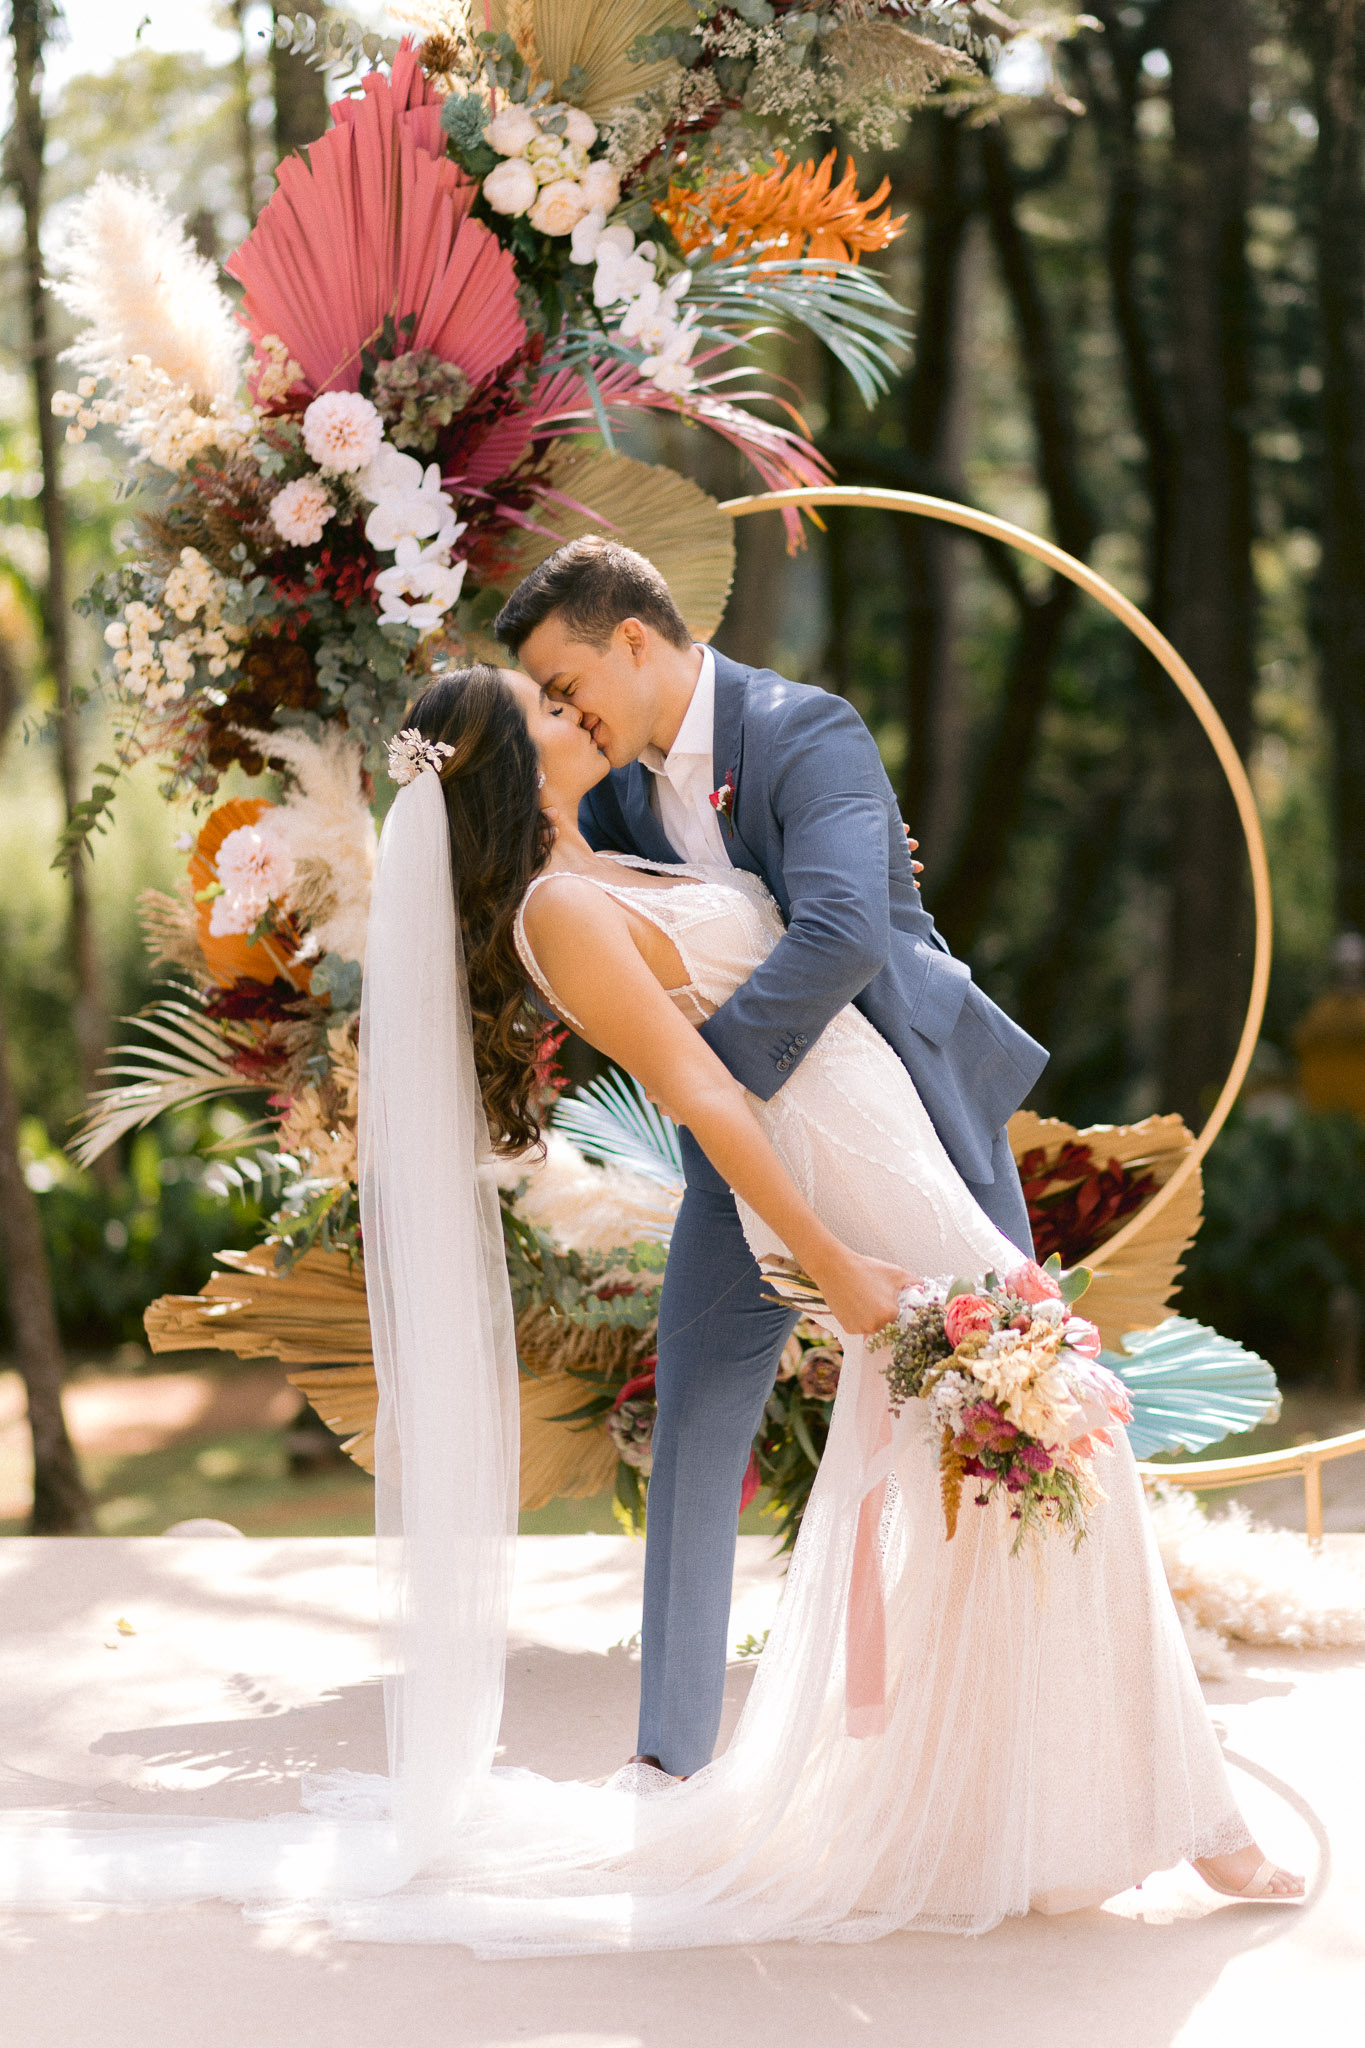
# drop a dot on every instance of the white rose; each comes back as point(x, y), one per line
point(601, 186)
point(559, 208)
point(511, 186)
point(512, 131)
point(587, 235)
point(549, 168)
point(574, 159)
point(580, 128)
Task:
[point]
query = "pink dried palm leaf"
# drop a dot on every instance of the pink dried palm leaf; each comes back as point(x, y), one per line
point(374, 221)
point(502, 450)
point(783, 458)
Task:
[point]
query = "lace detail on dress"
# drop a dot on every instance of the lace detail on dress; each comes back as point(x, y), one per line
point(722, 926)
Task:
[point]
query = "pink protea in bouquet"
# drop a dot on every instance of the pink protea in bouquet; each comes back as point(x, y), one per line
point(1012, 1378)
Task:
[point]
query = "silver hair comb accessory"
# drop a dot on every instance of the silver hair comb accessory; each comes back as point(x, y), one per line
point(410, 752)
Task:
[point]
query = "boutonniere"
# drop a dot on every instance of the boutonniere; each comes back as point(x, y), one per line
point(723, 801)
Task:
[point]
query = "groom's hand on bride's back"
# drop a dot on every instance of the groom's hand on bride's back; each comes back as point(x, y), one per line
point(913, 844)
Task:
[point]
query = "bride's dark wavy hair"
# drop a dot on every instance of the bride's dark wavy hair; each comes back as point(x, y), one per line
point(499, 839)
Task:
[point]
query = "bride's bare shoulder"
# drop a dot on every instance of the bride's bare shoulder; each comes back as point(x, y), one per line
point(562, 906)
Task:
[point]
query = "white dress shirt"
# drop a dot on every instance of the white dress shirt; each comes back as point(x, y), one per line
point(682, 780)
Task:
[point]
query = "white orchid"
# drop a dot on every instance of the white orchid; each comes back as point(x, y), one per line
point(422, 585)
point(409, 503)
point(670, 367)
point(586, 236)
point(623, 271)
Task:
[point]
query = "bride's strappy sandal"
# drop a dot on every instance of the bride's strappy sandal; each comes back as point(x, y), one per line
point(1256, 1891)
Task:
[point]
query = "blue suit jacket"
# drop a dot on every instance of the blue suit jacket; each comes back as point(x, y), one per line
point(815, 816)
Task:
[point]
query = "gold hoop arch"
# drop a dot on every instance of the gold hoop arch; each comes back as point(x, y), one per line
point(1161, 650)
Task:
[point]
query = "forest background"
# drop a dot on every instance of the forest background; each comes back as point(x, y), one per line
point(1138, 295)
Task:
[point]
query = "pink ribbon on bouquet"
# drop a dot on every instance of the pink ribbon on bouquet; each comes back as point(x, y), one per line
point(865, 1622)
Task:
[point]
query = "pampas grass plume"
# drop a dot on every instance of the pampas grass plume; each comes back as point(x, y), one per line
point(325, 822)
point(588, 1208)
point(1231, 1577)
point(130, 272)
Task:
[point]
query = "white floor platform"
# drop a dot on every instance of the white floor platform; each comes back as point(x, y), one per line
point(251, 1662)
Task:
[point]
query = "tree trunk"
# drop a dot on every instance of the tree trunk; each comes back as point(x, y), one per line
point(961, 902)
point(300, 91)
point(932, 420)
point(1333, 32)
point(246, 132)
point(61, 1506)
point(1212, 607)
point(1111, 73)
point(29, 22)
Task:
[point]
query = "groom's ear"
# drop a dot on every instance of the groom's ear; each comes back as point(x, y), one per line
point(636, 635)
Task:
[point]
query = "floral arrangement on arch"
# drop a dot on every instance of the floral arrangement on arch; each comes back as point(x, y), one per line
point(511, 241)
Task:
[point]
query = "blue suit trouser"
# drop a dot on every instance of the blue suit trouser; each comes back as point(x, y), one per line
point(720, 1341)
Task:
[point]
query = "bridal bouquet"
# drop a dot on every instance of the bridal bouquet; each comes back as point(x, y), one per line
point(1013, 1383)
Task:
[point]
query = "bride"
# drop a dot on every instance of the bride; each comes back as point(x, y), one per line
point(939, 1734)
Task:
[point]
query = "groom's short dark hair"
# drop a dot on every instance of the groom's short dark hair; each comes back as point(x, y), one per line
point(593, 584)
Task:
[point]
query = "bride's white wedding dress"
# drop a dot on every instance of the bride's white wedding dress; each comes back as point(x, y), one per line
point(1034, 1736)
point(1044, 1741)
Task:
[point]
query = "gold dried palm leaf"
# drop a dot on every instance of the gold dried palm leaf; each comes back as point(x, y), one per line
point(314, 1317)
point(660, 514)
point(1131, 1291)
point(560, 1461)
point(347, 1399)
point(315, 1312)
point(596, 34)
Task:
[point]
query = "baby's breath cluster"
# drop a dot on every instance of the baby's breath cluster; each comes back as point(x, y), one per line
point(153, 659)
point(167, 422)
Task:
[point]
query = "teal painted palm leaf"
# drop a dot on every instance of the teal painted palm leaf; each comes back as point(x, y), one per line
point(1190, 1387)
point(614, 1120)
point(844, 305)
point(191, 1062)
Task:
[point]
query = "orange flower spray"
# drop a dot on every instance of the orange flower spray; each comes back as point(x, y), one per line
point(794, 213)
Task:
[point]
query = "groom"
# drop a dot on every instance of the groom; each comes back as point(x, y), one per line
point(723, 766)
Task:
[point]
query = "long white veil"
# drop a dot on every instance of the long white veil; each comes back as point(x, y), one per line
point(446, 1443)
point(446, 1454)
